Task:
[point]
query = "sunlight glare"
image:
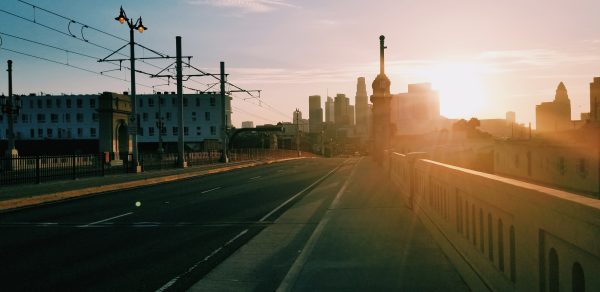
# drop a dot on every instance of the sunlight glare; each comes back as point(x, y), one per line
point(460, 86)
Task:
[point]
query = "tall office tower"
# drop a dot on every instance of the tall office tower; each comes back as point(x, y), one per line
point(361, 103)
point(554, 115)
point(595, 100)
point(341, 109)
point(351, 115)
point(329, 110)
point(315, 114)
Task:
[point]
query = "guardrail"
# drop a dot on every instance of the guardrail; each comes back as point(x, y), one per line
point(513, 235)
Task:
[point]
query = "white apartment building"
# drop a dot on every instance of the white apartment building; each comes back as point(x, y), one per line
point(75, 117)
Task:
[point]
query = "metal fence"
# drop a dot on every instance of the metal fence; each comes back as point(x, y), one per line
point(39, 169)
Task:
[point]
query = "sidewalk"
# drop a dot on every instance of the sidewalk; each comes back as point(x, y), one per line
point(18, 196)
point(351, 233)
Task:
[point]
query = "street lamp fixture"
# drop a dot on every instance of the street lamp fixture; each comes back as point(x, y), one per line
point(122, 18)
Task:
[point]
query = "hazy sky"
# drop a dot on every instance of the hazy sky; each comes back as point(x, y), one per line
point(485, 57)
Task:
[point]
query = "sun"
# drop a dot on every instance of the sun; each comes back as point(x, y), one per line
point(460, 86)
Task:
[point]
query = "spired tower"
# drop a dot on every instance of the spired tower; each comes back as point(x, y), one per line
point(381, 108)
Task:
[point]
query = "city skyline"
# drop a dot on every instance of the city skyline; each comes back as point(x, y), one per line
point(488, 62)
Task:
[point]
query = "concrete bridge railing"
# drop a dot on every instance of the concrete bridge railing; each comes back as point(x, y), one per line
point(504, 234)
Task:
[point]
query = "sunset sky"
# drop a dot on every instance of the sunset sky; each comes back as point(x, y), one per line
point(485, 57)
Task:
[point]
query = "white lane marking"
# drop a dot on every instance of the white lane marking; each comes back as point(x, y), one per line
point(299, 193)
point(213, 189)
point(216, 251)
point(256, 177)
point(292, 276)
point(107, 219)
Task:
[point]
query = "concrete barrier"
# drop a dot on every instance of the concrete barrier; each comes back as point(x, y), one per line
point(511, 235)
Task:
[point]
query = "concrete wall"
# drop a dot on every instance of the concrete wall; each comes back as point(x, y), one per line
point(573, 167)
point(507, 235)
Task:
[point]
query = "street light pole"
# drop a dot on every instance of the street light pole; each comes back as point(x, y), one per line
point(133, 119)
point(11, 106)
point(224, 157)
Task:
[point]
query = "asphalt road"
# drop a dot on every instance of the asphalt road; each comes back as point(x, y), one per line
point(161, 237)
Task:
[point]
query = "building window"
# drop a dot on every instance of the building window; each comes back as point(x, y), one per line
point(186, 131)
point(31, 133)
point(199, 131)
point(197, 101)
point(25, 118)
point(79, 103)
point(92, 132)
point(92, 103)
point(213, 101)
point(40, 133)
point(145, 117)
point(68, 103)
point(562, 166)
point(95, 117)
point(553, 271)
point(49, 133)
point(581, 167)
point(168, 116)
point(213, 130)
point(161, 101)
point(58, 103)
point(31, 103)
point(193, 116)
point(151, 131)
point(141, 102)
point(79, 132)
point(150, 102)
point(54, 118)
point(207, 116)
point(175, 131)
point(79, 117)
point(41, 118)
point(48, 103)
point(578, 278)
point(185, 101)
point(67, 118)
point(141, 131)
point(39, 103)
point(174, 101)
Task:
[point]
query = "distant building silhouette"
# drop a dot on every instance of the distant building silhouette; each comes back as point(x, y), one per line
point(362, 108)
point(341, 104)
point(329, 110)
point(595, 100)
point(351, 115)
point(511, 117)
point(247, 124)
point(315, 114)
point(416, 111)
point(299, 121)
point(555, 115)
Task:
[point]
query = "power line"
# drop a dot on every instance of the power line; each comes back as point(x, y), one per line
point(69, 65)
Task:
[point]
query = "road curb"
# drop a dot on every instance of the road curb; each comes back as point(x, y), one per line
point(66, 195)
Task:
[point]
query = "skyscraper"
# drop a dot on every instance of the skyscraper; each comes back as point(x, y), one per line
point(554, 115)
point(341, 103)
point(315, 114)
point(362, 107)
point(329, 110)
point(595, 100)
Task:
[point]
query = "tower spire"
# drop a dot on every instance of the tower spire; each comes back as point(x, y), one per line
point(382, 47)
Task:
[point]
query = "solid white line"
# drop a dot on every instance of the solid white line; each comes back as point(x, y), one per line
point(213, 189)
point(107, 219)
point(216, 251)
point(299, 193)
point(292, 276)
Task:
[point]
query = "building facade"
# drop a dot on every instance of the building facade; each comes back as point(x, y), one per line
point(361, 103)
point(554, 115)
point(416, 111)
point(329, 110)
point(247, 124)
point(76, 117)
point(315, 114)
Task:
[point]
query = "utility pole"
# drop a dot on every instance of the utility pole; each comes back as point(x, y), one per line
point(181, 160)
point(224, 157)
point(11, 109)
point(297, 118)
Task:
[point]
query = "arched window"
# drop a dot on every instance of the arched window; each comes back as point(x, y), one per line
point(578, 278)
point(467, 217)
point(474, 224)
point(513, 256)
point(481, 243)
point(500, 245)
point(553, 271)
point(490, 238)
